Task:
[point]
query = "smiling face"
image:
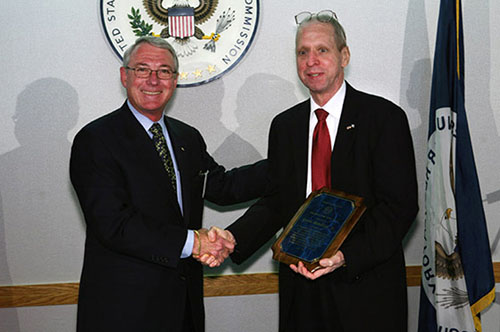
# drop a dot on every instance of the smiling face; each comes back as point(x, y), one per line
point(149, 95)
point(320, 64)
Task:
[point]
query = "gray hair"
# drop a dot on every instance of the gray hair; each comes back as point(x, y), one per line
point(339, 33)
point(154, 41)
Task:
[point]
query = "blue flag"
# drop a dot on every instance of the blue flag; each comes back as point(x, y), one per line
point(457, 272)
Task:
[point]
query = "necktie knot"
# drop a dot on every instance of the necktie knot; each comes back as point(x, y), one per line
point(321, 114)
point(156, 129)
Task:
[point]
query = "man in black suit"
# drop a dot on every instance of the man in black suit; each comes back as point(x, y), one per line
point(369, 153)
point(141, 178)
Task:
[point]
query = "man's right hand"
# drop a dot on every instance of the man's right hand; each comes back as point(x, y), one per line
point(212, 247)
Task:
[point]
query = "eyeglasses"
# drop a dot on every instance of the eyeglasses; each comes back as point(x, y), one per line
point(144, 72)
point(322, 16)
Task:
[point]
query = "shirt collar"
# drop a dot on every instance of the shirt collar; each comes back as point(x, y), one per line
point(334, 105)
point(144, 120)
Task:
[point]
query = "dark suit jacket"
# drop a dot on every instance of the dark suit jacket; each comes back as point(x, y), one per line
point(375, 160)
point(133, 278)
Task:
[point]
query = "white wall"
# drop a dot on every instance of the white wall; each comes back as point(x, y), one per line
point(58, 73)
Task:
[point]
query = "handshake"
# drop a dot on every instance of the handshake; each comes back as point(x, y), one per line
point(212, 247)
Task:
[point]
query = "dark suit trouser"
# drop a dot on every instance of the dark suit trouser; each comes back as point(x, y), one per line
point(313, 308)
point(187, 324)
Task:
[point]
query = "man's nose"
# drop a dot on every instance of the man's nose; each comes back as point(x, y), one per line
point(153, 77)
point(312, 59)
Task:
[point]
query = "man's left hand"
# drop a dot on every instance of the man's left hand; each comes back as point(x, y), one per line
point(327, 265)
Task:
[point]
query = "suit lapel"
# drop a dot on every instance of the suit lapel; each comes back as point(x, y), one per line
point(347, 130)
point(181, 156)
point(141, 145)
point(300, 139)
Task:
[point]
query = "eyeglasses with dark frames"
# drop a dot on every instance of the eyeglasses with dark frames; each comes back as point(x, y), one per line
point(145, 72)
point(322, 16)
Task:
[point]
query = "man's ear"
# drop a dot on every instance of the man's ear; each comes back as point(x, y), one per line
point(123, 76)
point(345, 55)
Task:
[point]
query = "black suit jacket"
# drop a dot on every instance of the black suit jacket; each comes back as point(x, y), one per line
point(373, 159)
point(133, 278)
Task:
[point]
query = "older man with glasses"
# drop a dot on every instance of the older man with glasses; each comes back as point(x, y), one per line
point(343, 139)
point(141, 178)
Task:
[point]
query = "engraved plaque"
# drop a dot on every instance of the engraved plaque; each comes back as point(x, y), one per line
point(318, 228)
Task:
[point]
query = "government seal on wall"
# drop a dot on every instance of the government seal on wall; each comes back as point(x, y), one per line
point(209, 36)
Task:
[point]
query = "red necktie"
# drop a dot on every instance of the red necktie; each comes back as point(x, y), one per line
point(321, 153)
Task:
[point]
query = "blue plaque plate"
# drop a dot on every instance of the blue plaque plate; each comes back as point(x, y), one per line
point(318, 228)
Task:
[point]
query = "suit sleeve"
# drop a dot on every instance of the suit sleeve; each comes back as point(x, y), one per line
point(109, 196)
point(238, 185)
point(262, 220)
point(392, 196)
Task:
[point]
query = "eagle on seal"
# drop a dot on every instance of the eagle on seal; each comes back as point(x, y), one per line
point(448, 265)
point(160, 15)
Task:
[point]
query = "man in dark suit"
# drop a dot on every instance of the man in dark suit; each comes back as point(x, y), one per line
point(369, 153)
point(141, 178)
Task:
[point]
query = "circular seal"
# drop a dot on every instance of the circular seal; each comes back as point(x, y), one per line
point(209, 36)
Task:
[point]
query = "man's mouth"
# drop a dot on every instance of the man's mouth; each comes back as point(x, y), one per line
point(151, 93)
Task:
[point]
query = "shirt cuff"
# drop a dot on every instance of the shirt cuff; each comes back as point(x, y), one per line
point(188, 245)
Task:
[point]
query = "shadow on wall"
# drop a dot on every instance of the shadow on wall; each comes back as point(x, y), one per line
point(201, 107)
point(259, 99)
point(418, 100)
point(480, 114)
point(415, 90)
point(34, 187)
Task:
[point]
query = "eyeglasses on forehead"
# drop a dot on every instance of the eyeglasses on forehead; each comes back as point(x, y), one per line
point(322, 16)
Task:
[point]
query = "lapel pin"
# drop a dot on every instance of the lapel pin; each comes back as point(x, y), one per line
point(182, 148)
point(351, 126)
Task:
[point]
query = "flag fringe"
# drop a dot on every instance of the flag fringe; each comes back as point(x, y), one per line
point(480, 305)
